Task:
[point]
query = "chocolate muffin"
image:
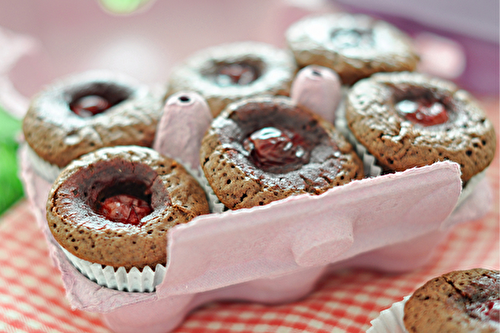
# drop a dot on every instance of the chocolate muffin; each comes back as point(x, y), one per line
point(114, 206)
point(226, 73)
point(88, 111)
point(459, 301)
point(353, 45)
point(408, 120)
point(264, 149)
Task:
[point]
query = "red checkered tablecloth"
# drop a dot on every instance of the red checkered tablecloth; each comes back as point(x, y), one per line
point(32, 296)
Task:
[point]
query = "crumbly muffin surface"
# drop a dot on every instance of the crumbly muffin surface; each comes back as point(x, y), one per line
point(274, 70)
point(58, 135)
point(241, 181)
point(355, 46)
point(467, 137)
point(459, 301)
point(75, 222)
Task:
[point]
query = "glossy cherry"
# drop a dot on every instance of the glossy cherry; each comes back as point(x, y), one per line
point(236, 74)
point(88, 106)
point(270, 147)
point(422, 111)
point(124, 208)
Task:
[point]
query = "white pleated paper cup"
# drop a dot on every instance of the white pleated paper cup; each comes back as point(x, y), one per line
point(470, 186)
point(119, 279)
point(136, 280)
point(213, 201)
point(370, 167)
point(44, 169)
point(390, 320)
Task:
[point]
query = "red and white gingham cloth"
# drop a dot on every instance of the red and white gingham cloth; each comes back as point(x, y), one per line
point(32, 296)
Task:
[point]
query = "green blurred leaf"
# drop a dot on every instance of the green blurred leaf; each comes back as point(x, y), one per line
point(9, 127)
point(11, 187)
point(122, 6)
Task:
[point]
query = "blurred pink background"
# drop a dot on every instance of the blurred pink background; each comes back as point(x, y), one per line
point(469, 27)
point(43, 40)
point(62, 36)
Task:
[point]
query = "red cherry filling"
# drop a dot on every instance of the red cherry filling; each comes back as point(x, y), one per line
point(489, 310)
point(349, 38)
point(235, 74)
point(271, 147)
point(88, 106)
point(124, 208)
point(423, 111)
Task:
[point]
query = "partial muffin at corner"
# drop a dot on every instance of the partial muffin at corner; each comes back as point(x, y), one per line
point(264, 149)
point(85, 210)
point(459, 301)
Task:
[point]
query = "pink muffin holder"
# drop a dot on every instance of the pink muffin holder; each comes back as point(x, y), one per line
point(274, 253)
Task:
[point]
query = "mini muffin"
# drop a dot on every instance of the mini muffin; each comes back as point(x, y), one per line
point(114, 206)
point(355, 46)
point(88, 111)
point(408, 120)
point(226, 73)
point(460, 301)
point(264, 149)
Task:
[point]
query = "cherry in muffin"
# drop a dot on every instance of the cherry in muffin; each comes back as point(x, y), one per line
point(115, 206)
point(409, 119)
point(264, 149)
point(229, 72)
point(90, 105)
point(87, 111)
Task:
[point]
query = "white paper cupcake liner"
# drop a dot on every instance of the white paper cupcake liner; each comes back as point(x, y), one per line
point(213, 202)
point(470, 186)
point(371, 169)
point(106, 276)
point(135, 280)
point(46, 170)
point(390, 320)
